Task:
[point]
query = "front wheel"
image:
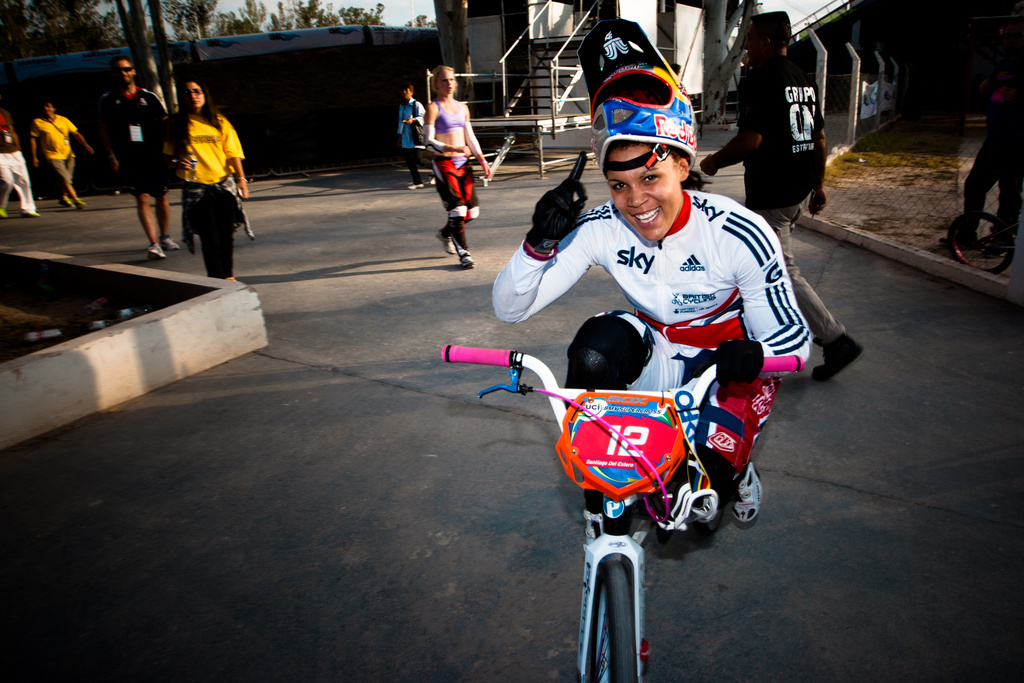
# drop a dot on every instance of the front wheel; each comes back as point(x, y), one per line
point(613, 637)
point(981, 240)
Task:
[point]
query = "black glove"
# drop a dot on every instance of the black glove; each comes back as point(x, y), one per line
point(738, 360)
point(556, 214)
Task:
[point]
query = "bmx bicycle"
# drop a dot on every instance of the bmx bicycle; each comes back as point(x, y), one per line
point(636, 449)
point(981, 240)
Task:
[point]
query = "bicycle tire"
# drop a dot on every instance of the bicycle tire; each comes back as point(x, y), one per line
point(980, 240)
point(613, 636)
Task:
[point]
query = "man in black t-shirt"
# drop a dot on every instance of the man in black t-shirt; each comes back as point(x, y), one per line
point(781, 142)
point(132, 132)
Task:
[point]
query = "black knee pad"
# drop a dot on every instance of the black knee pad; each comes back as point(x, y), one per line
point(607, 353)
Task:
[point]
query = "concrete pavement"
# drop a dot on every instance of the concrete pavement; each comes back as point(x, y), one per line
point(341, 507)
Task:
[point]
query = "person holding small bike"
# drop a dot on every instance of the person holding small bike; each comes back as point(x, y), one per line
point(704, 274)
point(1001, 157)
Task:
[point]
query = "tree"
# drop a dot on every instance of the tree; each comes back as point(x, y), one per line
point(312, 15)
point(720, 60)
point(250, 19)
point(53, 27)
point(166, 67)
point(283, 20)
point(357, 15)
point(451, 28)
point(421, 22)
point(14, 42)
point(142, 55)
point(191, 19)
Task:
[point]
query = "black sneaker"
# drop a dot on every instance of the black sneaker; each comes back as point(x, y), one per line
point(838, 354)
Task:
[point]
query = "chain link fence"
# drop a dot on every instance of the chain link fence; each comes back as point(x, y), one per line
point(898, 179)
point(906, 181)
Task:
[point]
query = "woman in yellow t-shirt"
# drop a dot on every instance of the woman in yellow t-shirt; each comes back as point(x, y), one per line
point(204, 149)
point(51, 134)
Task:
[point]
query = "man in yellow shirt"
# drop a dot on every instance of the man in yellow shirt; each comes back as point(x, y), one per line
point(53, 134)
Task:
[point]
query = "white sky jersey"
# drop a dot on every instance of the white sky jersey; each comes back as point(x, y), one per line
point(724, 265)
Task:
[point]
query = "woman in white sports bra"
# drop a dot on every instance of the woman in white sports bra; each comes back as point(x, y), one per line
point(446, 130)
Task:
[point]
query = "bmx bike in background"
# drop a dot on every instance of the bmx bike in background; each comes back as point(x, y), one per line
point(636, 449)
point(983, 241)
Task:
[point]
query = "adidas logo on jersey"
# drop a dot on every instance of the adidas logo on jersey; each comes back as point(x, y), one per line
point(691, 265)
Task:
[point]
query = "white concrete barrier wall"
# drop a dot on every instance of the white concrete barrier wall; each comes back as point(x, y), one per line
point(50, 388)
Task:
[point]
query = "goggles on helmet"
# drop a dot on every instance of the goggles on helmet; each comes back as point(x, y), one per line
point(641, 104)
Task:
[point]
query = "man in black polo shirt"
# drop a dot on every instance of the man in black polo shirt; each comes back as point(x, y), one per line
point(132, 131)
point(781, 142)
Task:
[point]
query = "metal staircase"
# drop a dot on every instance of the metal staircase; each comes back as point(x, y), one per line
point(545, 72)
point(552, 67)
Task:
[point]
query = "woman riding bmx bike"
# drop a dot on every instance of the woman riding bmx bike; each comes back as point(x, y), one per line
point(704, 274)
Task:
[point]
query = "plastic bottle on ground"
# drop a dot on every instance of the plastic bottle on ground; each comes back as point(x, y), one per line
point(42, 335)
point(126, 313)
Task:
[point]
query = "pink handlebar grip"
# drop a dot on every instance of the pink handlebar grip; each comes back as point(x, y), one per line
point(467, 354)
point(783, 364)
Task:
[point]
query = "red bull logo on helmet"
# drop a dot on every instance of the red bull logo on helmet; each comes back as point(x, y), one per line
point(675, 128)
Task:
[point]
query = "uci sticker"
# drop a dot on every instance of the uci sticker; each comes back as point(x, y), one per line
point(613, 509)
point(594, 408)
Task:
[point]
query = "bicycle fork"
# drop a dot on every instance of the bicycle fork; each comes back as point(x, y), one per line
point(603, 547)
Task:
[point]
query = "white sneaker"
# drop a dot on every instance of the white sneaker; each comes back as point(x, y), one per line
point(415, 186)
point(750, 496)
point(168, 244)
point(466, 260)
point(433, 180)
point(449, 246)
point(155, 253)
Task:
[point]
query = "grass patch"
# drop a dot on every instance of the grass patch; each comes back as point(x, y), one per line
point(893, 143)
point(893, 150)
point(880, 160)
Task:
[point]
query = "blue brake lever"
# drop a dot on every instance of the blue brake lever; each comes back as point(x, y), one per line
point(513, 387)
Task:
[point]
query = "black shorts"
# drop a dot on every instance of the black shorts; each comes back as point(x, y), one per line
point(144, 176)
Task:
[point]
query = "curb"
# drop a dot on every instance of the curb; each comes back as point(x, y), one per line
point(972, 278)
point(201, 323)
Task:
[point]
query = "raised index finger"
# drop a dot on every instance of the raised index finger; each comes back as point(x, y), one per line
point(577, 170)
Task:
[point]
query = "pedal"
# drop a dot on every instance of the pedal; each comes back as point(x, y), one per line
point(594, 524)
